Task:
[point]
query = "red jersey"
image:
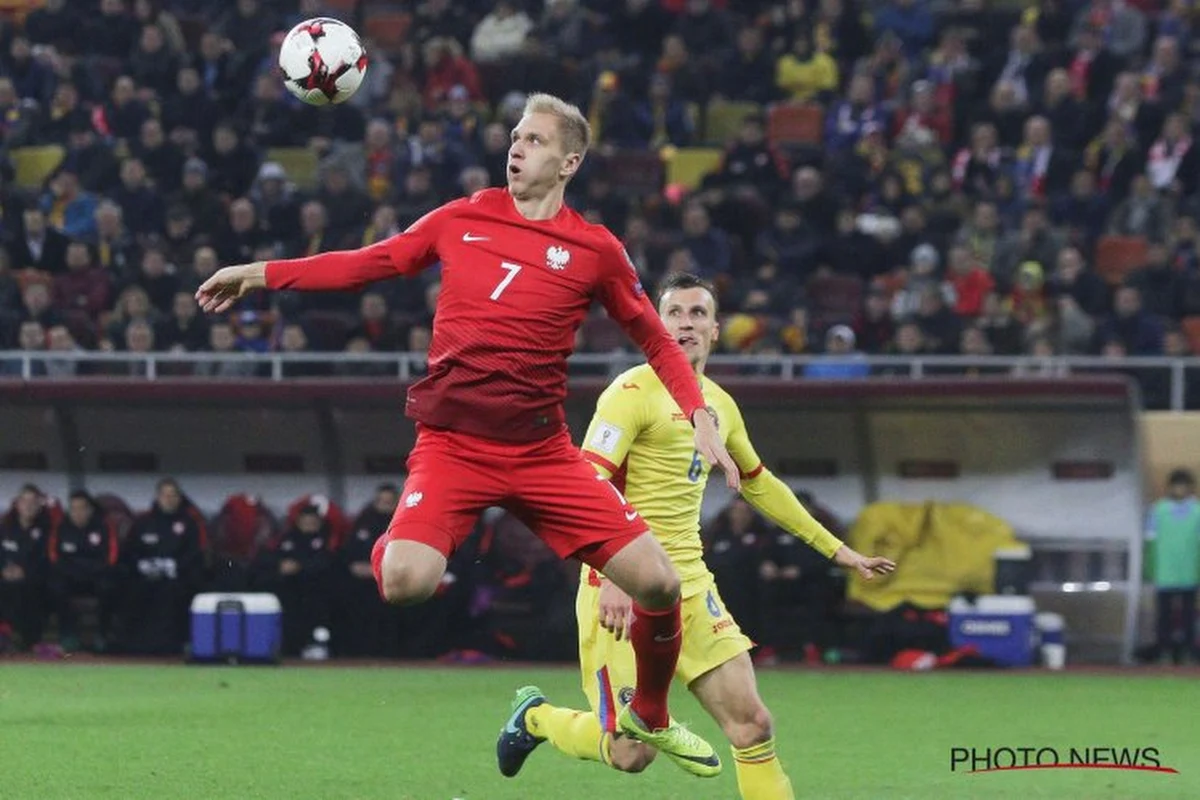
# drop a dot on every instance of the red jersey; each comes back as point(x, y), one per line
point(513, 293)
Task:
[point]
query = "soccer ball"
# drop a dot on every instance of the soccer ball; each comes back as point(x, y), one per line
point(323, 61)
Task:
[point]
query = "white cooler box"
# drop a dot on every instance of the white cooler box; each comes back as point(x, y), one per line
point(236, 627)
point(1000, 627)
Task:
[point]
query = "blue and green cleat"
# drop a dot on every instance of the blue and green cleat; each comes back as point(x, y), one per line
point(515, 742)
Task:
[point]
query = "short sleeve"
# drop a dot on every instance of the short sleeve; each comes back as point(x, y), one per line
point(614, 427)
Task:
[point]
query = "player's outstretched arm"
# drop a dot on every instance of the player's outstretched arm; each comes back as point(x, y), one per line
point(406, 253)
point(772, 497)
point(228, 285)
point(345, 270)
point(866, 566)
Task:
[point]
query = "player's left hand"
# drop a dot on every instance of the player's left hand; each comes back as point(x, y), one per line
point(709, 444)
point(866, 566)
point(616, 610)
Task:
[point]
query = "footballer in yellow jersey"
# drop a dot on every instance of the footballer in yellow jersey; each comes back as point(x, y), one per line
point(639, 439)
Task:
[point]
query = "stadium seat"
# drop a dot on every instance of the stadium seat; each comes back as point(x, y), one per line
point(389, 30)
point(17, 10)
point(795, 124)
point(81, 326)
point(331, 513)
point(723, 120)
point(327, 330)
point(300, 163)
point(601, 334)
point(688, 166)
point(34, 164)
point(1117, 256)
point(635, 173)
point(834, 299)
point(242, 527)
point(1191, 329)
point(116, 513)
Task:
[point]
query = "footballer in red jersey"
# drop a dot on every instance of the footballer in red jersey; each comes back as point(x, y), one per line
point(519, 273)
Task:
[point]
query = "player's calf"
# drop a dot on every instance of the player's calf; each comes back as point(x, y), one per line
point(748, 725)
point(406, 572)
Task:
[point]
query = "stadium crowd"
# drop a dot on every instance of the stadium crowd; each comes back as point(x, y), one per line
point(917, 176)
point(91, 573)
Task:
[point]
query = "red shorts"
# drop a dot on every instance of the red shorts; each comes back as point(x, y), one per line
point(547, 484)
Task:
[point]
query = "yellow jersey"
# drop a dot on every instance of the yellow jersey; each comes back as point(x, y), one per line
point(641, 441)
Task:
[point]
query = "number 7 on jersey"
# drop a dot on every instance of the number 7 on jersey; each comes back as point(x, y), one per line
point(512, 270)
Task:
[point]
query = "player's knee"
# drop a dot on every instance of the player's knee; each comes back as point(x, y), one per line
point(753, 726)
point(405, 582)
point(630, 756)
point(661, 587)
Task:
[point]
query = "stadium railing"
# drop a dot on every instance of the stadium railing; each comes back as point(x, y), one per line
point(1176, 380)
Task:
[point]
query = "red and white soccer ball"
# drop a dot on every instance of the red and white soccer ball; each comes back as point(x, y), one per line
point(323, 61)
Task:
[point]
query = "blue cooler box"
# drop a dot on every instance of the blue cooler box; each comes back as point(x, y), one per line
point(236, 627)
point(1000, 627)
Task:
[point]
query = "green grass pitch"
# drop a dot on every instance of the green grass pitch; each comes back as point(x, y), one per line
point(418, 733)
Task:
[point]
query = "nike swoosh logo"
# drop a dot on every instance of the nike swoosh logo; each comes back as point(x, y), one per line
point(467, 237)
point(708, 761)
point(670, 638)
point(630, 515)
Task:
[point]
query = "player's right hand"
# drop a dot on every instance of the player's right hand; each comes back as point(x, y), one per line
point(616, 610)
point(228, 285)
point(708, 444)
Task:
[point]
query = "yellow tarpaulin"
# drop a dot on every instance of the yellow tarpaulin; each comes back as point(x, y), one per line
point(940, 549)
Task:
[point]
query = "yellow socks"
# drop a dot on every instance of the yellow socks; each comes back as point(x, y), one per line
point(759, 775)
point(576, 733)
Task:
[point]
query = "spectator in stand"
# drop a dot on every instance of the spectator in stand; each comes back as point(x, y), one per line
point(83, 554)
point(222, 341)
point(31, 337)
point(1072, 277)
point(848, 120)
point(501, 34)
point(185, 329)
point(61, 342)
point(446, 68)
point(807, 72)
point(710, 246)
point(841, 360)
point(969, 282)
point(38, 303)
point(1137, 330)
point(38, 246)
point(85, 287)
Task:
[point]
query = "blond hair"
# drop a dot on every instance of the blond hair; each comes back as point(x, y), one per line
point(572, 125)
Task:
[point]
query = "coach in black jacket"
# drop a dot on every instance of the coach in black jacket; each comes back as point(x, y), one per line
point(164, 560)
point(300, 571)
point(24, 533)
point(83, 563)
point(364, 624)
